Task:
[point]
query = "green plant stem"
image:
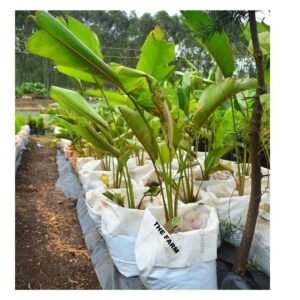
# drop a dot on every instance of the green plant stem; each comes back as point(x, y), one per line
point(130, 188)
point(152, 158)
point(240, 174)
point(128, 183)
point(170, 196)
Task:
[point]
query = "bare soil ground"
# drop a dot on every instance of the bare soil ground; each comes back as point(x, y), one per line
point(50, 249)
point(23, 104)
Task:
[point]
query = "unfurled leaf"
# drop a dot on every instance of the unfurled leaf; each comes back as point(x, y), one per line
point(86, 35)
point(136, 84)
point(214, 156)
point(261, 27)
point(217, 45)
point(157, 56)
point(214, 95)
point(72, 72)
point(96, 139)
point(224, 129)
point(264, 43)
point(77, 104)
point(70, 45)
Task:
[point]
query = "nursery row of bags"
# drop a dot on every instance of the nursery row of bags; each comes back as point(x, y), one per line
point(22, 139)
point(137, 240)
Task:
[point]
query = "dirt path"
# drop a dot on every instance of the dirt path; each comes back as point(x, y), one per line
point(50, 249)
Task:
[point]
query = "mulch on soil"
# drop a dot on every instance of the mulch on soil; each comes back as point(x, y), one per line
point(50, 249)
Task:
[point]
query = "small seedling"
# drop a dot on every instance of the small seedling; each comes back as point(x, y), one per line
point(115, 197)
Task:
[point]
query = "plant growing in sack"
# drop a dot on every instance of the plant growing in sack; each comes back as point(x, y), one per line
point(80, 57)
point(231, 125)
point(143, 95)
point(153, 256)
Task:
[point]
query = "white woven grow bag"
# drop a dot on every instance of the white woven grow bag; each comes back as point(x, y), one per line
point(119, 227)
point(81, 161)
point(138, 172)
point(93, 204)
point(98, 165)
point(92, 180)
point(234, 209)
point(183, 260)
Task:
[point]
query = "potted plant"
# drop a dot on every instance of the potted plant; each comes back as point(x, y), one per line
point(145, 98)
point(40, 126)
point(31, 121)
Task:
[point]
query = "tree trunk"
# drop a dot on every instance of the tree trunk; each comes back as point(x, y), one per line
point(255, 196)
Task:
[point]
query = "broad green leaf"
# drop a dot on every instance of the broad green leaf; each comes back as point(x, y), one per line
point(141, 130)
point(184, 91)
point(197, 94)
point(240, 106)
point(136, 84)
point(86, 35)
point(76, 103)
point(144, 99)
point(166, 156)
point(193, 104)
point(224, 132)
point(157, 55)
point(217, 45)
point(69, 49)
point(221, 167)
point(214, 95)
point(72, 72)
point(265, 101)
point(264, 43)
point(213, 157)
point(267, 76)
point(179, 117)
point(221, 131)
point(261, 27)
point(96, 139)
point(154, 123)
point(114, 98)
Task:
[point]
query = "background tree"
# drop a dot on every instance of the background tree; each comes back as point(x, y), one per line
point(121, 36)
